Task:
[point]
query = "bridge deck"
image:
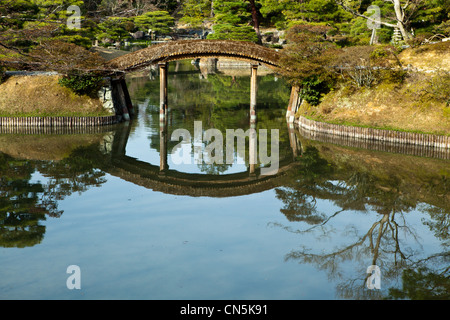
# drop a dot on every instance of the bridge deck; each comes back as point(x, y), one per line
point(187, 49)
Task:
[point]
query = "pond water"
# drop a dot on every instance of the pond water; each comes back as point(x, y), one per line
point(117, 203)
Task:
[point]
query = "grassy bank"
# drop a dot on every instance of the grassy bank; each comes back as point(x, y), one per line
point(434, 56)
point(23, 96)
point(419, 102)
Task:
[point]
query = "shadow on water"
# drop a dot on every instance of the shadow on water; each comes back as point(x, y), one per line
point(346, 204)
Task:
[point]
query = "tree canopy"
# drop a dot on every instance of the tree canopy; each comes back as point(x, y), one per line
point(28, 27)
point(231, 21)
point(157, 21)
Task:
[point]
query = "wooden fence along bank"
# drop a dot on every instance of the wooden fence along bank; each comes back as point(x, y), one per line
point(71, 122)
point(427, 140)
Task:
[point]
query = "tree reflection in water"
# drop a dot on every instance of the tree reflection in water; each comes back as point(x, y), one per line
point(24, 203)
point(390, 242)
point(21, 208)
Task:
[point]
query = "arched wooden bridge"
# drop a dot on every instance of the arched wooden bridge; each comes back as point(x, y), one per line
point(190, 49)
point(163, 53)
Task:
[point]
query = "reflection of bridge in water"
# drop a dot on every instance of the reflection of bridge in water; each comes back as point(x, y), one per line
point(114, 161)
point(161, 178)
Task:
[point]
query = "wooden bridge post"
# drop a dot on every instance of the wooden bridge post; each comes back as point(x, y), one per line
point(253, 92)
point(120, 140)
point(163, 71)
point(293, 139)
point(293, 104)
point(163, 166)
point(119, 100)
point(163, 66)
point(252, 151)
point(127, 97)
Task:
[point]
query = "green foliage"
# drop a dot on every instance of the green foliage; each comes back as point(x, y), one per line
point(443, 28)
point(194, 12)
point(305, 62)
point(158, 21)
point(232, 20)
point(361, 34)
point(114, 29)
point(55, 9)
point(75, 39)
point(32, 22)
point(313, 88)
point(272, 13)
point(229, 11)
point(82, 84)
point(320, 11)
point(419, 16)
point(307, 54)
point(82, 37)
point(13, 14)
point(26, 23)
point(422, 284)
point(230, 32)
point(287, 13)
point(430, 14)
point(385, 55)
point(425, 17)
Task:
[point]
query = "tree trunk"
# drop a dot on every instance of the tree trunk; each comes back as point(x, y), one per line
point(400, 15)
point(374, 37)
point(255, 19)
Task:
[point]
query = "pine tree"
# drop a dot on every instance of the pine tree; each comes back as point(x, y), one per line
point(195, 12)
point(158, 21)
point(232, 21)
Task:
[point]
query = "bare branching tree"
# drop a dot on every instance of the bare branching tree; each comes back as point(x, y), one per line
point(403, 11)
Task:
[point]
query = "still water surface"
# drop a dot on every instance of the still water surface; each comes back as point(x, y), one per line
point(99, 200)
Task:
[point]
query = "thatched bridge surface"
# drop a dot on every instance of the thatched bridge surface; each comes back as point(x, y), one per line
point(190, 49)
